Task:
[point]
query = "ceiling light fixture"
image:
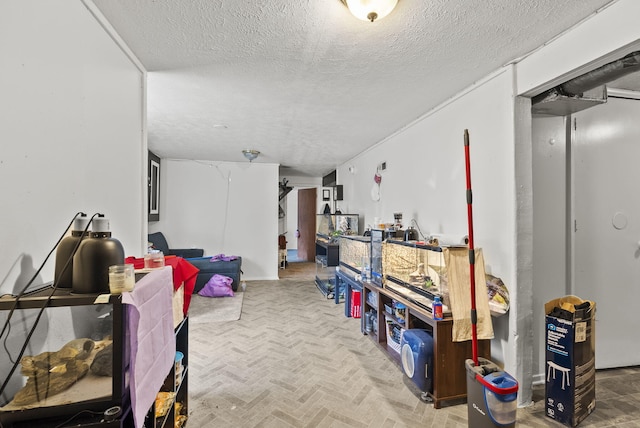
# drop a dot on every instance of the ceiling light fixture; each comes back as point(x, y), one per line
point(250, 154)
point(370, 10)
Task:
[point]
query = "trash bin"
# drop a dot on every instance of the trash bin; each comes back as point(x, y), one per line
point(491, 395)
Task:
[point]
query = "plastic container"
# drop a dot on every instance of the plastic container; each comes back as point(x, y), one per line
point(400, 312)
point(368, 324)
point(374, 323)
point(436, 308)
point(154, 260)
point(502, 407)
point(178, 368)
point(121, 278)
point(491, 395)
point(366, 270)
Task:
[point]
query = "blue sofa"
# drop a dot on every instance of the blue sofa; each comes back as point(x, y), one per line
point(207, 268)
point(232, 269)
point(160, 243)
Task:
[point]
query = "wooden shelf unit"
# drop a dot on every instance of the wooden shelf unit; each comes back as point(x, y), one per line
point(449, 373)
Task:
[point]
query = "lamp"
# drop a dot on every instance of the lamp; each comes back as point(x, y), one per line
point(250, 154)
point(370, 10)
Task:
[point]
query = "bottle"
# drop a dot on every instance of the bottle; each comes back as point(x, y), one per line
point(436, 308)
point(64, 252)
point(366, 274)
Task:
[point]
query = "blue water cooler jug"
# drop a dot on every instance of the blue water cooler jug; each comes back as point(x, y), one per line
point(416, 351)
point(491, 395)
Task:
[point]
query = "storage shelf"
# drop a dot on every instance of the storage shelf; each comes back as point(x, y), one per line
point(180, 389)
point(394, 319)
point(449, 375)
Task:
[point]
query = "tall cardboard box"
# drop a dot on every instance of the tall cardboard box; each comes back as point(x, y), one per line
point(570, 389)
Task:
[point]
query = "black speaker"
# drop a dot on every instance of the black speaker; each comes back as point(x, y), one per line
point(337, 192)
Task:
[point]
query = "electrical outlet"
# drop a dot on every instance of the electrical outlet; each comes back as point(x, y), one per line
point(383, 166)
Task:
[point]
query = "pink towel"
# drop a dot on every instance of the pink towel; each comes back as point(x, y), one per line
point(152, 338)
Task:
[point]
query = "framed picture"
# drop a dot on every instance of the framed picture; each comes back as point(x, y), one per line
point(153, 183)
point(326, 194)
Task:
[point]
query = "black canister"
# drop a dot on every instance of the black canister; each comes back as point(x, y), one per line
point(93, 258)
point(410, 234)
point(64, 253)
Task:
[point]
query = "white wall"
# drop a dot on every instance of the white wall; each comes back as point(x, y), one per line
point(425, 174)
point(291, 221)
point(604, 37)
point(549, 211)
point(425, 180)
point(224, 207)
point(71, 130)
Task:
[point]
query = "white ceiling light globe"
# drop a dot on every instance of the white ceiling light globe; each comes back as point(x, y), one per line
point(371, 10)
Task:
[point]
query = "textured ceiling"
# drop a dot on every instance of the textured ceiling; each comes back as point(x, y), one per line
point(306, 83)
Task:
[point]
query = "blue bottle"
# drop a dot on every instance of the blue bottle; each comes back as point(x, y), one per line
point(436, 308)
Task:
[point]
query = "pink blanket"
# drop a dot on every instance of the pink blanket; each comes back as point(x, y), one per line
point(152, 339)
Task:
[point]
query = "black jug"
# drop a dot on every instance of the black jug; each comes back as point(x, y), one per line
point(410, 234)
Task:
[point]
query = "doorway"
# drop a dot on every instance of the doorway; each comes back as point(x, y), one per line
point(307, 224)
point(606, 231)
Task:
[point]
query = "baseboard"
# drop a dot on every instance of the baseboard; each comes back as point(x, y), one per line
point(539, 379)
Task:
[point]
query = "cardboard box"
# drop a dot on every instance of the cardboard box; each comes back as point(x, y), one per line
point(570, 389)
point(178, 305)
point(356, 303)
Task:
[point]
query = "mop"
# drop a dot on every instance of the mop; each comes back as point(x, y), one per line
point(483, 374)
point(472, 254)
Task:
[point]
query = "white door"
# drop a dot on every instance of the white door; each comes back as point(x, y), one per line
point(606, 173)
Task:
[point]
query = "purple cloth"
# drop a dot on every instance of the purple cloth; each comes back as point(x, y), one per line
point(222, 258)
point(218, 286)
point(152, 338)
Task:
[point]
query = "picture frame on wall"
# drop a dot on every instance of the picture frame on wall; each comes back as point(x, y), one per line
point(326, 194)
point(153, 183)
